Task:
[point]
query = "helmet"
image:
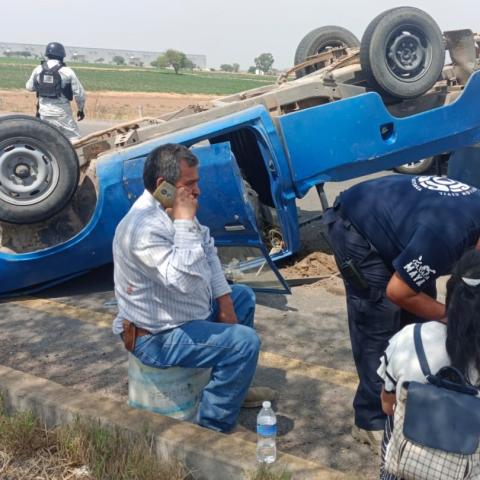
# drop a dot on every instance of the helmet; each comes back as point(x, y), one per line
point(55, 50)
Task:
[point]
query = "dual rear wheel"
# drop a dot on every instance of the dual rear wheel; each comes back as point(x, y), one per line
point(402, 52)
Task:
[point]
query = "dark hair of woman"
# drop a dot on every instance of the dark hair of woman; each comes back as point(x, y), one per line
point(463, 313)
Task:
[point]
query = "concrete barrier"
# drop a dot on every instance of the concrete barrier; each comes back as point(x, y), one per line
point(211, 455)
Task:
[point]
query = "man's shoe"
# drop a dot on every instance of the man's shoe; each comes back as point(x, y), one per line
point(257, 395)
point(372, 438)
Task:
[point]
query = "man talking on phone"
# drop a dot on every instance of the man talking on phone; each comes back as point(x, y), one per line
point(175, 307)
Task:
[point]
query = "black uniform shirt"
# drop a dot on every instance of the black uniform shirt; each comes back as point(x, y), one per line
point(419, 225)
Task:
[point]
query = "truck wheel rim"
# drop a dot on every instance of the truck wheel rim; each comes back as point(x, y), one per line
point(28, 172)
point(408, 54)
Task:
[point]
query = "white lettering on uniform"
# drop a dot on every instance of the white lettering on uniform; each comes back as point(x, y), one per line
point(419, 272)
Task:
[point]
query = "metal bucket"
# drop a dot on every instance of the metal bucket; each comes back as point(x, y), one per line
point(174, 392)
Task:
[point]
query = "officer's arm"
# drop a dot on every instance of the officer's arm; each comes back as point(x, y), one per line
point(388, 401)
point(419, 304)
point(78, 91)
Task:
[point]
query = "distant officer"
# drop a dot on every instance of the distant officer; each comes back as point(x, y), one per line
point(56, 85)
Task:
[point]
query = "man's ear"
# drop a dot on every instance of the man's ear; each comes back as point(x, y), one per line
point(159, 181)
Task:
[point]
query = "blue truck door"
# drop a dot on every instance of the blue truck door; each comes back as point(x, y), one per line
point(224, 208)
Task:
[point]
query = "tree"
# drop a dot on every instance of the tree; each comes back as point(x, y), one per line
point(100, 60)
point(189, 64)
point(118, 60)
point(160, 62)
point(173, 58)
point(226, 67)
point(236, 67)
point(264, 62)
point(252, 69)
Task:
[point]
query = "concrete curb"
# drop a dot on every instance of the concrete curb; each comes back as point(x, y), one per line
point(209, 455)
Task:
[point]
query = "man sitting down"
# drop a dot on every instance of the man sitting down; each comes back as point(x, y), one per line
point(175, 307)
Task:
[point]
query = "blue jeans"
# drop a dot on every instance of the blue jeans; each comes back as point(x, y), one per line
point(231, 351)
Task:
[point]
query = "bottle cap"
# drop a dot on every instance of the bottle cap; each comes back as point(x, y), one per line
point(266, 404)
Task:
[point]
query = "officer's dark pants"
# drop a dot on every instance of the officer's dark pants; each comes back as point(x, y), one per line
point(372, 318)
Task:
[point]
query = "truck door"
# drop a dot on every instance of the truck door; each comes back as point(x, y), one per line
point(225, 209)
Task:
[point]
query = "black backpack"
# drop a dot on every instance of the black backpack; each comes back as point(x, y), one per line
point(49, 83)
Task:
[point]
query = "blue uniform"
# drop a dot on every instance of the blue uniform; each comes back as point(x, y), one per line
point(415, 226)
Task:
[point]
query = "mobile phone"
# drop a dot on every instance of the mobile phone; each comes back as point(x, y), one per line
point(165, 194)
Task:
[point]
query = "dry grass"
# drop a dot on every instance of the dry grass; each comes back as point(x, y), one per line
point(80, 450)
point(271, 472)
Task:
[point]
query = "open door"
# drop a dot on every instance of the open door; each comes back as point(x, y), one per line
point(225, 209)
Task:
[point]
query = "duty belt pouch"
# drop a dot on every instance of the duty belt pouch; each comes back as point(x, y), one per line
point(129, 335)
point(353, 275)
point(436, 427)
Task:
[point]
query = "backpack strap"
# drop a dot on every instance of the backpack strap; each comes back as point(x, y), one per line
point(417, 338)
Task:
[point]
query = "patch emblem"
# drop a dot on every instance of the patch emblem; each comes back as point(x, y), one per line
point(442, 185)
point(419, 272)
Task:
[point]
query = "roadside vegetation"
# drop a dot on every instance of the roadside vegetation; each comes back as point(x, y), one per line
point(86, 451)
point(14, 72)
point(271, 472)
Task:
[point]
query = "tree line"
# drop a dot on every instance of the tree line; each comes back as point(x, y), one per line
point(179, 61)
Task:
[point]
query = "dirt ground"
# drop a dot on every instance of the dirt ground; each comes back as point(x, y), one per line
point(109, 105)
point(315, 264)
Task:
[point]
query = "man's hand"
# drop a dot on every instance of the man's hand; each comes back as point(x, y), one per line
point(80, 115)
point(184, 205)
point(226, 312)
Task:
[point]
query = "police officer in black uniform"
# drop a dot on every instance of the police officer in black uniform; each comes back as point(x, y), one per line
point(392, 238)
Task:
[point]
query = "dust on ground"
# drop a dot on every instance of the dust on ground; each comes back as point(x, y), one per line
point(315, 264)
point(109, 105)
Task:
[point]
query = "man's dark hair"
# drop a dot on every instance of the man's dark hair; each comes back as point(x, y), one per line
point(164, 162)
point(463, 314)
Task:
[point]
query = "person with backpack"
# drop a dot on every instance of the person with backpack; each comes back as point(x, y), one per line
point(454, 344)
point(56, 85)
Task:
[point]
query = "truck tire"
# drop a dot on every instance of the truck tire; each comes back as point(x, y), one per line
point(416, 168)
point(318, 41)
point(402, 52)
point(39, 170)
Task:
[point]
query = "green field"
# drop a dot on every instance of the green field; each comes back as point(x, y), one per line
point(15, 72)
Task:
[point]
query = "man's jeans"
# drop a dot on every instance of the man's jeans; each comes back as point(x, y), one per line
point(231, 351)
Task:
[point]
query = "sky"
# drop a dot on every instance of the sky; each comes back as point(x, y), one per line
point(225, 31)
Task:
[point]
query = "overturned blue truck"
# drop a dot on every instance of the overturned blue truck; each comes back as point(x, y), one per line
point(355, 108)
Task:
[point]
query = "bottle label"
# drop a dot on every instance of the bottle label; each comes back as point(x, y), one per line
point(267, 430)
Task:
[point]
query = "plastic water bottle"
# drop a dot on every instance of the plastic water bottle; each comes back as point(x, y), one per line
point(266, 433)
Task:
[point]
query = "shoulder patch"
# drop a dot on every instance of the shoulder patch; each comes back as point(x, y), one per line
point(419, 272)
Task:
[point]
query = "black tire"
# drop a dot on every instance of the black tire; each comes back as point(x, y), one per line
point(416, 168)
point(39, 170)
point(318, 41)
point(402, 52)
